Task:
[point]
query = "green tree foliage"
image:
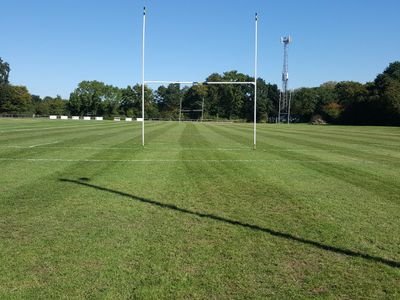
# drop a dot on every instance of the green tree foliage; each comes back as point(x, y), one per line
point(36, 99)
point(168, 100)
point(353, 98)
point(130, 102)
point(332, 111)
point(234, 97)
point(267, 95)
point(326, 94)
point(212, 102)
point(41, 107)
point(386, 93)
point(15, 99)
point(49, 105)
point(4, 72)
point(305, 103)
point(237, 101)
point(345, 102)
point(231, 101)
point(95, 98)
point(57, 106)
point(193, 100)
point(350, 102)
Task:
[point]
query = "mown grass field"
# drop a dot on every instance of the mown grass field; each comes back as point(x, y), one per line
point(85, 211)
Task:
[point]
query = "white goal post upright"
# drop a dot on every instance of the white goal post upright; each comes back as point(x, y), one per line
point(254, 83)
point(143, 43)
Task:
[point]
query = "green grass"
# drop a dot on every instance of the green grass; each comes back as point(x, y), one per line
point(85, 211)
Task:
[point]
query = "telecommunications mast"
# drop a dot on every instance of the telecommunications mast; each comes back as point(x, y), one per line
point(285, 96)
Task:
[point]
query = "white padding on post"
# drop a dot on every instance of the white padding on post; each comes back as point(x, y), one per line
point(99, 118)
point(75, 118)
point(64, 117)
point(139, 119)
point(87, 118)
point(128, 119)
point(53, 117)
point(117, 119)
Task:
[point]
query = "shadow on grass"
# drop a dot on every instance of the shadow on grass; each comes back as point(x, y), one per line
point(272, 232)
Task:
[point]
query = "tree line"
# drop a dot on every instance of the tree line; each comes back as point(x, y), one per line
point(347, 102)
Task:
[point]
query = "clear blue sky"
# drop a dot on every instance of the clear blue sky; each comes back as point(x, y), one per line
point(52, 45)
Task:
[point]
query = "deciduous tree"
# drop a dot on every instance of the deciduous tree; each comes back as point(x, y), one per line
point(4, 72)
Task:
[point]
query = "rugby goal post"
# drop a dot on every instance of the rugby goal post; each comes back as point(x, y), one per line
point(254, 83)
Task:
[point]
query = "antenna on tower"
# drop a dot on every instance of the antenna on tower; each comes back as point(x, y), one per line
point(284, 99)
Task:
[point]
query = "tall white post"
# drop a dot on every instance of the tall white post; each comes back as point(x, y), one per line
point(255, 83)
point(143, 41)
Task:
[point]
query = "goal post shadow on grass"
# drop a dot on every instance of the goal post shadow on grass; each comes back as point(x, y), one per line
point(253, 83)
point(282, 235)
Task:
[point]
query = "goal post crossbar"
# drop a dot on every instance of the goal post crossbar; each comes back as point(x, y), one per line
point(198, 82)
point(254, 83)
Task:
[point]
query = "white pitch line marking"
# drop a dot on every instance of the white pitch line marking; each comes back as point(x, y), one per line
point(128, 148)
point(44, 144)
point(180, 160)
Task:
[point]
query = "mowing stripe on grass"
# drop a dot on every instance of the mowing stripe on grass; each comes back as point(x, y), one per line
point(59, 127)
point(179, 160)
point(282, 221)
